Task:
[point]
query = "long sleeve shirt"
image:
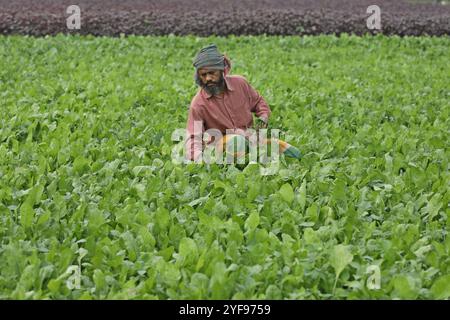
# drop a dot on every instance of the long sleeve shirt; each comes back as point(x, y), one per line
point(232, 110)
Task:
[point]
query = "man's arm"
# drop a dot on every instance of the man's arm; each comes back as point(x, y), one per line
point(194, 134)
point(258, 104)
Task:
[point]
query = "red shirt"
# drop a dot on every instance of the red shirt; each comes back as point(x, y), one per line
point(232, 110)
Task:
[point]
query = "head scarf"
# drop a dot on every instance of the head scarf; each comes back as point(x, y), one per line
point(210, 57)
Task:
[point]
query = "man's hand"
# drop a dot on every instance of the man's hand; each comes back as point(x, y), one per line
point(260, 123)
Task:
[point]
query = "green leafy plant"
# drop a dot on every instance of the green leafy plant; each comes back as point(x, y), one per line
point(92, 206)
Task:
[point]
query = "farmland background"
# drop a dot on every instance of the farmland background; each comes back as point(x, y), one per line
point(92, 207)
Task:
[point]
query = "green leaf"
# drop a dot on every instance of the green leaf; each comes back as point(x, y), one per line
point(302, 195)
point(287, 193)
point(441, 287)
point(26, 215)
point(162, 218)
point(313, 212)
point(99, 280)
point(34, 197)
point(188, 250)
point(433, 206)
point(310, 236)
point(54, 285)
point(340, 257)
point(81, 165)
point(44, 218)
point(404, 287)
point(252, 221)
point(339, 192)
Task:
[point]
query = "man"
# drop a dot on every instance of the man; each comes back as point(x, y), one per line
point(223, 102)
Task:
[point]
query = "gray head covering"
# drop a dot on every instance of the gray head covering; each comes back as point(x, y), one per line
point(210, 57)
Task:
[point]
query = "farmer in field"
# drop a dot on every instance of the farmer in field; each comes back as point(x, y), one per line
point(224, 102)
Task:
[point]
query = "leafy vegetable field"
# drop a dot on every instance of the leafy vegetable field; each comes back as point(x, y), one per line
point(92, 207)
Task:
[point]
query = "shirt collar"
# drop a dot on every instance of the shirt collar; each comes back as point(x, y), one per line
point(227, 85)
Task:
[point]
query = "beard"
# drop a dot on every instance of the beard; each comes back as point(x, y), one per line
point(214, 88)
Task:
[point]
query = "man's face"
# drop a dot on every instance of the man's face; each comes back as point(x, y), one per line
point(212, 80)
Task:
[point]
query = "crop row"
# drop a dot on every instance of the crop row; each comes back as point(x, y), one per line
point(251, 17)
